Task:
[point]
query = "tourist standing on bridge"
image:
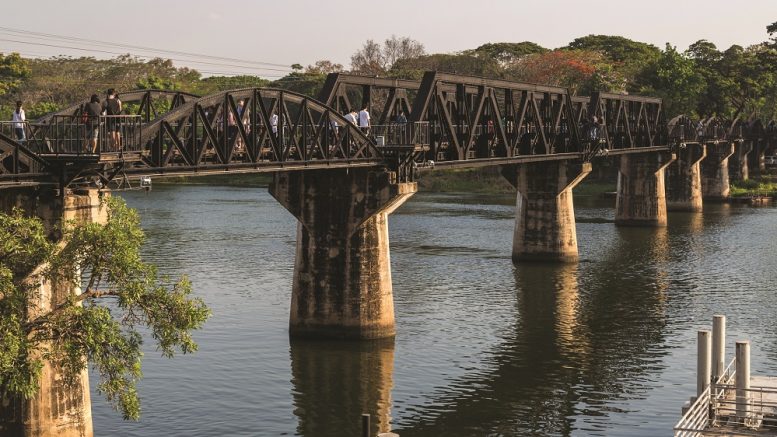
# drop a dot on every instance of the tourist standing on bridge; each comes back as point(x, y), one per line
point(274, 124)
point(364, 120)
point(92, 112)
point(19, 118)
point(112, 108)
point(352, 117)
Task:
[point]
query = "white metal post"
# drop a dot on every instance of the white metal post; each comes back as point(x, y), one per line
point(718, 346)
point(703, 363)
point(743, 380)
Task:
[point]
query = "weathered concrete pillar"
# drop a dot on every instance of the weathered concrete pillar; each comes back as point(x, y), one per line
point(714, 171)
point(683, 188)
point(641, 198)
point(342, 273)
point(544, 209)
point(737, 168)
point(57, 409)
point(756, 159)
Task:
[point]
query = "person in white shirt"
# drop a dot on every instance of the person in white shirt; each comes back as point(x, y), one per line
point(364, 119)
point(274, 124)
point(18, 118)
point(351, 116)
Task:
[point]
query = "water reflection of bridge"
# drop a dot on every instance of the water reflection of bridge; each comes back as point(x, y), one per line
point(580, 346)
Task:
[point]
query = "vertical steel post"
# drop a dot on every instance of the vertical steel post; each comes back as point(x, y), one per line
point(703, 368)
point(718, 346)
point(365, 425)
point(743, 380)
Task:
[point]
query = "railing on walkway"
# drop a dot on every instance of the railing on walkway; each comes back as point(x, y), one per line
point(20, 131)
point(702, 413)
point(400, 134)
point(82, 135)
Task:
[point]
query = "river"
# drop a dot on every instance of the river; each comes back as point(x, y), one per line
point(604, 347)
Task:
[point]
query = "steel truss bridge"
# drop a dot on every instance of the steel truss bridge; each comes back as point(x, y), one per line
point(447, 120)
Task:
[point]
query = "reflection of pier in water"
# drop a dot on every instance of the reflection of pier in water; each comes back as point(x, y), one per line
point(335, 382)
point(581, 343)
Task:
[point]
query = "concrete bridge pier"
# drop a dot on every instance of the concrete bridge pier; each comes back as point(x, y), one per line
point(738, 169)
point(342, 274)
point(641, 198)
point(683, 190)
point(57, 409)
point(756, 160)
point(544, 209)
point(714, 171)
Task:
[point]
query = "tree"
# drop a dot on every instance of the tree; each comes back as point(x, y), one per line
point(674, 77)
point(582, 71)
point(324, 66)
point(506, 52)
point(413, 68)
point(369, 59)
point(13, 70)
point(121, 295)
point(395, 49)
point(628, 57)
point(374, 59)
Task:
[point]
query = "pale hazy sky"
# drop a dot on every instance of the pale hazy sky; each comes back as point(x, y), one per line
point(303, 31)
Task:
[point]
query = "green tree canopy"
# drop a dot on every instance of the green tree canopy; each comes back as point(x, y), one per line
point(13, 70)
point(122, 294)
point(674, 77)
point(506, 52)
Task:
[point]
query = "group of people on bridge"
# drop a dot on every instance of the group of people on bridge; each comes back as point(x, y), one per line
point(93, 114)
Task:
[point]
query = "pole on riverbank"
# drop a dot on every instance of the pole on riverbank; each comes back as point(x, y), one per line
point(703, 363)
point(743, 380)
point(718, 346)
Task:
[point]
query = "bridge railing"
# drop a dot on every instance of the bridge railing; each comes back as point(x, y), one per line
point(400, 134)
point(82, 135)
point(21, 131)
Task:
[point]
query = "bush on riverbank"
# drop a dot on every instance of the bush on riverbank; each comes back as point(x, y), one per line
point(763, 186)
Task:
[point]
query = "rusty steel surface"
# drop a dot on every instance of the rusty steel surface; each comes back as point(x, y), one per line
point(445, 120)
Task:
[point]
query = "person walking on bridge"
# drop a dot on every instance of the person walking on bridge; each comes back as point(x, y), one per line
point(364, 120)
point(91, 116)
point(19, 118)
point(112, 108)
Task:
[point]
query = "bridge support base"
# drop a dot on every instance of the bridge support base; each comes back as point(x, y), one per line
point(756, 160)
point(714, 171)
point(641, 198)
point(738, 169)
point(56, 410)
point(683, 190)
point(544, 209)
point(342, 274)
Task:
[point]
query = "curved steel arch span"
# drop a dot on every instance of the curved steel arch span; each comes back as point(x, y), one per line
point(273, 129)
point(144, 98)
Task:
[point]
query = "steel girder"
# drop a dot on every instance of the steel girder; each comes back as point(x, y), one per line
point(276, 128)
point(476, 118)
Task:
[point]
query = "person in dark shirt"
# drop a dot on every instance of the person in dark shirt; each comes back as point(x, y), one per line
point(112, 108)
point(91, 117)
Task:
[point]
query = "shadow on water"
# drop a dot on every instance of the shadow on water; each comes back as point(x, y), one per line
point(335, 382)
point(585, 336)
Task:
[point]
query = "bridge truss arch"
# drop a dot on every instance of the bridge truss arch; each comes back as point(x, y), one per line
point(274, 129)
point(147, 103)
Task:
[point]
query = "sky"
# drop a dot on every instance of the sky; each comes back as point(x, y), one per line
point(268, 36)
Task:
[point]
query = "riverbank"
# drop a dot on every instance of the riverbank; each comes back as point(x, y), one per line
point(764, 186)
